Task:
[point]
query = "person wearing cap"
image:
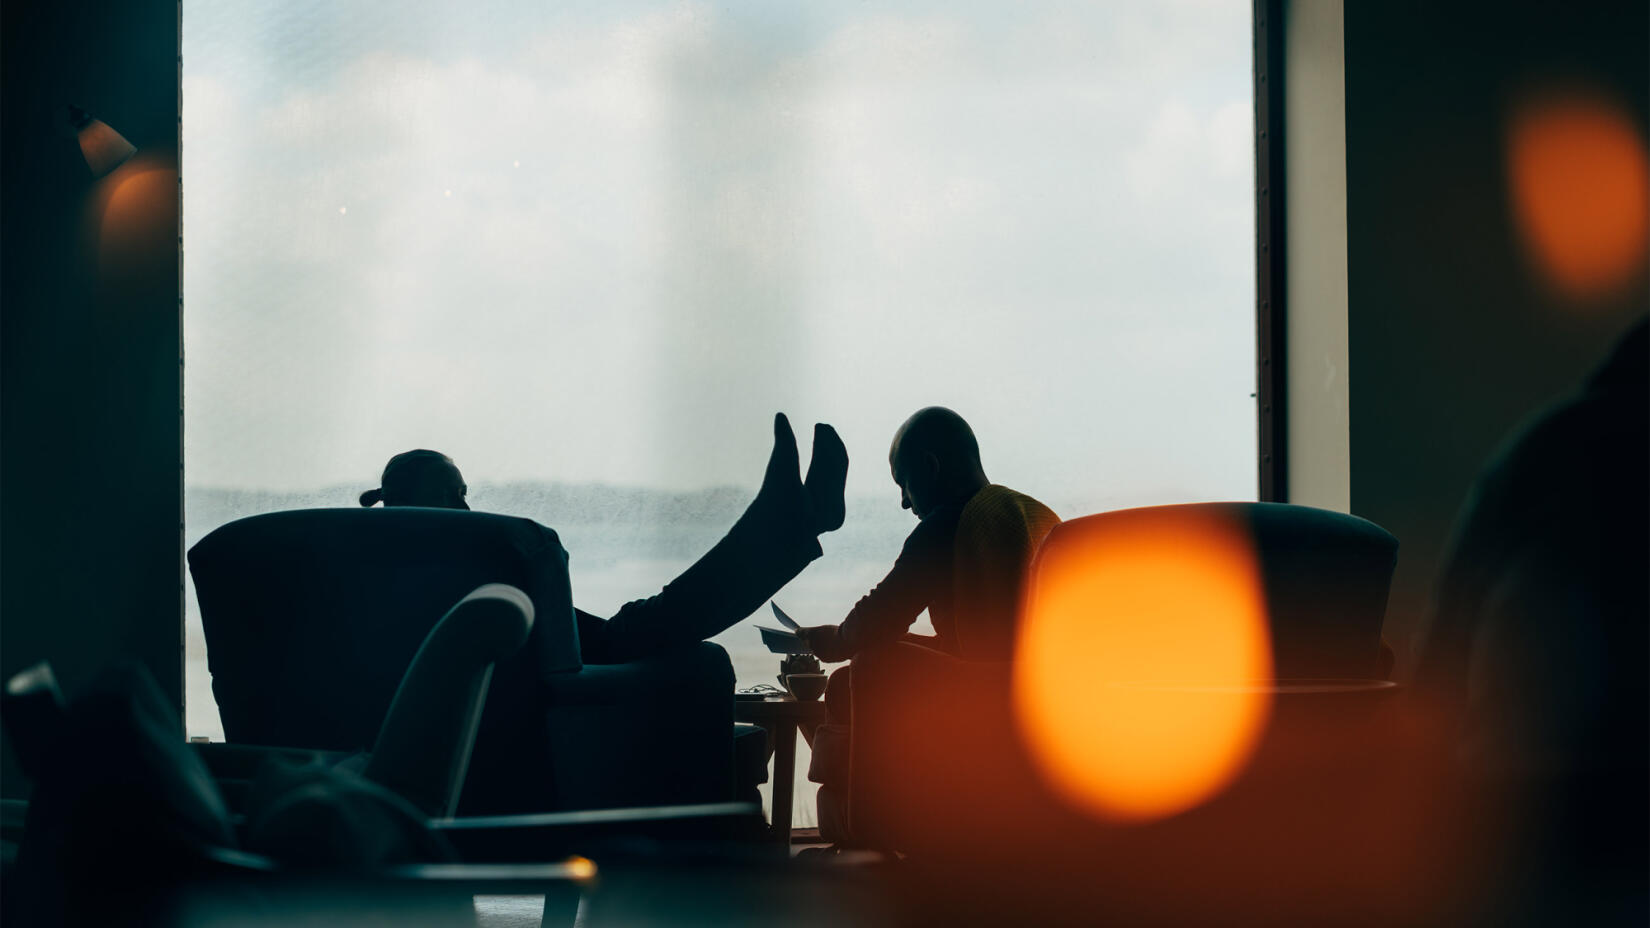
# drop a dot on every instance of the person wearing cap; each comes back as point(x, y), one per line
point(771, 542)
point(419, 478)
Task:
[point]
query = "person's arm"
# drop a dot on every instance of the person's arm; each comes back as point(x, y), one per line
point(885, 613)
point(594, 644)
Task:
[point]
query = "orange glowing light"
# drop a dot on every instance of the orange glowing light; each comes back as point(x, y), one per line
point(1580, 191)
point(580, 868)
point(1143, 635)
point(134, 219)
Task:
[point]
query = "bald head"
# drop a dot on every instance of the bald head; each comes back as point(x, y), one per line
point(935, 459)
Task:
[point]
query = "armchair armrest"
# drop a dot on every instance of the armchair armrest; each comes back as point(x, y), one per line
point(653, 732)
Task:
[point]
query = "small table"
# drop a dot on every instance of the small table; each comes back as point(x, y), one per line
point(780, 716)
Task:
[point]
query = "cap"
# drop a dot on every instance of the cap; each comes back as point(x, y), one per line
point(419, 478)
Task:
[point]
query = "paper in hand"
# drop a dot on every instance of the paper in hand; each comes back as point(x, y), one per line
point(781, 642)
point(784, 619)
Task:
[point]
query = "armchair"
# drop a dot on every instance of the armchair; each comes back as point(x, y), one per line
point(934, 754)
point(150, 839)
point(313, 616)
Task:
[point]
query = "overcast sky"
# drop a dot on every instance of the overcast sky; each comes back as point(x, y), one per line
point(605, 241)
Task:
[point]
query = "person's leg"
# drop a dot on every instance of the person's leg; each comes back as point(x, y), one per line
point(829, 746)
point(839, 694)
point(838, 702)
point(770, 544)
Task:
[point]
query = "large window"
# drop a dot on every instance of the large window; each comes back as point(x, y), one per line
point(589, 249)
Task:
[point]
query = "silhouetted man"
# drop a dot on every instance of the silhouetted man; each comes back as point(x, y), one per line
point(964, 563)
point(419, 478)
point(935, 461)
point(771, 543)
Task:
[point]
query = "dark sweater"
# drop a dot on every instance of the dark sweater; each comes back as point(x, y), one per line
point(1000, 529)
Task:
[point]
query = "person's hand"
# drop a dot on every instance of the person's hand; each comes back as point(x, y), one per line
point(825, 641)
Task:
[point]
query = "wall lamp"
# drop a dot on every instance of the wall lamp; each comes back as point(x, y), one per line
point(104, 148)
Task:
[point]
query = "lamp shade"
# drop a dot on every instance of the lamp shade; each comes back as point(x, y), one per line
point(104, 148)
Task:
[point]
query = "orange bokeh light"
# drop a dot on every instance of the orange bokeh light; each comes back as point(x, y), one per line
point(1143, 635)
point(1580, 192)
point(582, 869)
point(132, 218)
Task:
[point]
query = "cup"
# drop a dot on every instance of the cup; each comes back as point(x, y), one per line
point(806, 687)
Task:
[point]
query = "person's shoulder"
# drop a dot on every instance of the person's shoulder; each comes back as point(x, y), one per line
point(996, 498)
point(1564, 446)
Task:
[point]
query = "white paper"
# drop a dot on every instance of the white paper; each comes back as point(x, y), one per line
point(783, 642)
point(784, 619)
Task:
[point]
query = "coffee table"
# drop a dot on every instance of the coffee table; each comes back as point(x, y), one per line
point(780, 716)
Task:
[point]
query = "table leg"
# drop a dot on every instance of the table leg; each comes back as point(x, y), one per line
point(784, 779)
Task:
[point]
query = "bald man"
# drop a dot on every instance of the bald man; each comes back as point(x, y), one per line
point(935, 462)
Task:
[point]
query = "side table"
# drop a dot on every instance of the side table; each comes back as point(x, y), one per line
point(780, 716)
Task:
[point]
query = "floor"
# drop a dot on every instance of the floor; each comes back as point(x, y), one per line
point(509, 911)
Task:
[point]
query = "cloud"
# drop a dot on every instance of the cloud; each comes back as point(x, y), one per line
point(717, 215)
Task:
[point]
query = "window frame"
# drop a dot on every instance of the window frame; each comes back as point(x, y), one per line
point(1271, 249)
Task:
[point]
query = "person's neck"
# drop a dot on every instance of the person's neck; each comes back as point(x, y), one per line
point(964, 489)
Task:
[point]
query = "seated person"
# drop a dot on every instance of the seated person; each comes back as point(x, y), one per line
point(1535, 655)
point(767, 546)
point(935, 460)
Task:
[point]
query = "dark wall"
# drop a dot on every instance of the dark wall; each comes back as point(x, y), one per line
point(90, 426)
point(1454, 336)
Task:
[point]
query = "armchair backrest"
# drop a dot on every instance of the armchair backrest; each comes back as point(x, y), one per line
point(312, 617)
point(1325, 577)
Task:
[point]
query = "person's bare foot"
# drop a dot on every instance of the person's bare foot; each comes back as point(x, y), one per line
point(827, 477)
